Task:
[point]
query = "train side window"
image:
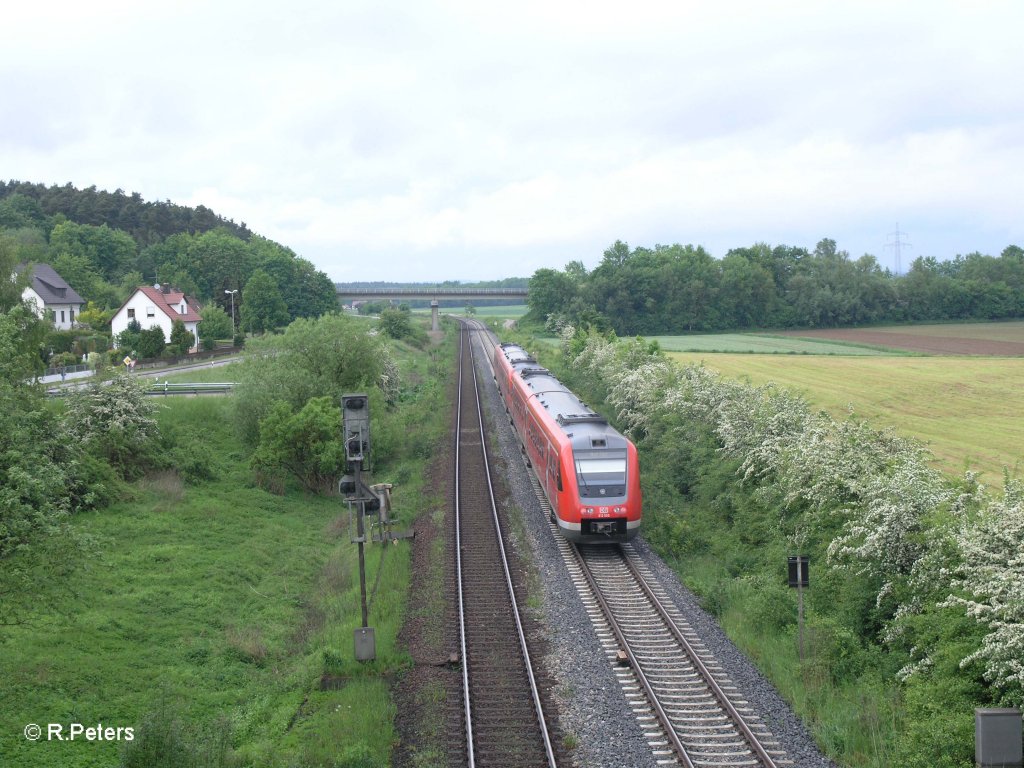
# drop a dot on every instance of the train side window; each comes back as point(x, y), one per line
point(558, 477)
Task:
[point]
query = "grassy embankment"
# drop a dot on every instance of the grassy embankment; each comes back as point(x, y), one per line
point(223, 608)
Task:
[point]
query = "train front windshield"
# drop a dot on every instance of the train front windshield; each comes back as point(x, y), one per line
point(601, 476)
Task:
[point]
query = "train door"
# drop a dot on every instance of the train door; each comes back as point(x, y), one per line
point(551, 477)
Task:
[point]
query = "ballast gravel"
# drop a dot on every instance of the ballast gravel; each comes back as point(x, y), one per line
point(600, 726)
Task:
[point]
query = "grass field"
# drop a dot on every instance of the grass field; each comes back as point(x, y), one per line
point(756, 343)
point(970, 411)
point(219, 606)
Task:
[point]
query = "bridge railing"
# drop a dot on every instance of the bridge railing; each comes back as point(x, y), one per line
point(440, 293)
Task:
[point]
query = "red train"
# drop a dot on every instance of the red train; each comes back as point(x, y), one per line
point(589, 471)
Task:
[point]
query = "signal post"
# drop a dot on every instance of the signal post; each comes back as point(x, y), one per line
point(364, 500)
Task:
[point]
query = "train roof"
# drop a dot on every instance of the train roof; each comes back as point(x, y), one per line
point(585, 428)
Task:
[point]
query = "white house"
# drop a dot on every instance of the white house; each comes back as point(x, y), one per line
point(52, 295)
point(158, 305)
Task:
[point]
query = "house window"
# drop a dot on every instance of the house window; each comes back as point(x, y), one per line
point(62, 317)
point(182, 309)
point(150, 311)
point(131, 313)
point(71, 316)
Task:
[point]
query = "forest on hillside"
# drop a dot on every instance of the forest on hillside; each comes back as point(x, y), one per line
point(106, 244)
point(681, 289)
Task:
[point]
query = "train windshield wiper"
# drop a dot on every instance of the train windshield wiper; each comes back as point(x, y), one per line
point(579, 473)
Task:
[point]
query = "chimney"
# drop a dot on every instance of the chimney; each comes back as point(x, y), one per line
point(165, 288)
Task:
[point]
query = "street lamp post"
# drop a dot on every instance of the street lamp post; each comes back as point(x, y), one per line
point(232, 311)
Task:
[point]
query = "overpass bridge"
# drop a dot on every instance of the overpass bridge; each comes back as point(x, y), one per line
point(463, 294)
point(433, 295)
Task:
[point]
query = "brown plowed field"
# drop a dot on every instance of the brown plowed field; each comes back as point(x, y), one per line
point(937, 344)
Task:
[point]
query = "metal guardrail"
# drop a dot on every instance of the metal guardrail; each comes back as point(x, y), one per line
point(186, 388)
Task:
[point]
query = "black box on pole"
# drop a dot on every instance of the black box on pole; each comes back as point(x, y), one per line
point(798, 567)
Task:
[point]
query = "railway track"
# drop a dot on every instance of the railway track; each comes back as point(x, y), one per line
point(503, 715)
point(689, 711)
point(692, 714)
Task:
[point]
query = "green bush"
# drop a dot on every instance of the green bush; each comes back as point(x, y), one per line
point(190, 454)
point(326, 357)
point(182, 339)
point(306, 446)
point(116, 422)
point(151, 342)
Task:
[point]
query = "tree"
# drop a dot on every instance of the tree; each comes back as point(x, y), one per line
point(215, 323)
point(152, 342)
point(44, 477)
point(182, 339)
point(306, 445)
point(10, 289)
point(128, 339)
point(109, 252)
point(307, 291)
point(747, 294)
point(551, 293)
point(95, 317)
point(218, 261)
point(396, 322)
point(313, 358)
point(18, 210)
point(263, 309)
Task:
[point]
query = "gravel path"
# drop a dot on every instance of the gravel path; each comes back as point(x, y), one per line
point(593, 709)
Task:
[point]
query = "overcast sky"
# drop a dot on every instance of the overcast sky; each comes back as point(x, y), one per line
point(466, 140)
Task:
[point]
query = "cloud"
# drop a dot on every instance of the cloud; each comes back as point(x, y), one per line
point(449, 138)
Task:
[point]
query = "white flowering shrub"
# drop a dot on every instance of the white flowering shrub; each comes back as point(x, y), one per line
point(114, 421)
point(989, 584)
point(883, 511)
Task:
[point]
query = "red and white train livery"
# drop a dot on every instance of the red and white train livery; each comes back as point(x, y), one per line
point(589, 471)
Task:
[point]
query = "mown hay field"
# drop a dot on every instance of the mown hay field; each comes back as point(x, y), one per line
point(969, 410)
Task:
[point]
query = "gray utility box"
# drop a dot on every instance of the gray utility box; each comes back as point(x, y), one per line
point(997, 738)
point(366, 644)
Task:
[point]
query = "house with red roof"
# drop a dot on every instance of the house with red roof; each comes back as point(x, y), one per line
point(158, 305)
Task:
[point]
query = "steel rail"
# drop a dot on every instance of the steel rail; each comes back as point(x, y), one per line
point(468, 709)
point(506, 571)
point(702, 670)
point(652, 696)
point(508, 576)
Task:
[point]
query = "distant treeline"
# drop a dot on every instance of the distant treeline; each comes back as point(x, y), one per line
point(506, 284)
point(106, 244)
point(679, 289)
point(23, 204)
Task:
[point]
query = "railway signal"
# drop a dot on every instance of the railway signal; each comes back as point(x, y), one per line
point(364, 500)
point(799, 577)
